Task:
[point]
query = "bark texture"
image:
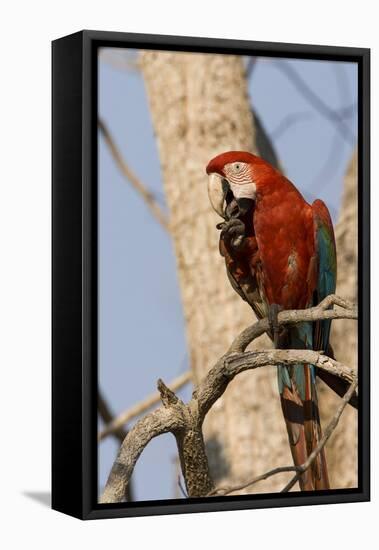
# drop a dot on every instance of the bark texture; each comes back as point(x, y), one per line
point(200, 107)
point(342, 453)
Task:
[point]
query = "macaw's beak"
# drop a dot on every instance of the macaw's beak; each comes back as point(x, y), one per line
point(223, 199)
point(218, 188)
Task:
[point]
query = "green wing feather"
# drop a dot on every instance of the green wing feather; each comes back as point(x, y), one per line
point(327, 269)
point(315, 335)
point(297, 384)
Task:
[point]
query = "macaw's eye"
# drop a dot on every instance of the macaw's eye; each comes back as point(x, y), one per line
point(237, 167)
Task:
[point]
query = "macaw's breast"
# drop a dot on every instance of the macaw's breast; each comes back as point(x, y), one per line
point(283, 223)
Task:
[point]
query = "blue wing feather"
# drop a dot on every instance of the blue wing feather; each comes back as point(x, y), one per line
point(327, 267)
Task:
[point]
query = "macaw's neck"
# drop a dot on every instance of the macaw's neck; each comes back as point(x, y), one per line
point(280, 209)
point(273, 189)
point(283, 227)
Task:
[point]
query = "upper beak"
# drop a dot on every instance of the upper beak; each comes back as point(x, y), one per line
point(218, 188)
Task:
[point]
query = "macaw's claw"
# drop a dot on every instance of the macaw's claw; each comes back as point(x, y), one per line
point(232, 232)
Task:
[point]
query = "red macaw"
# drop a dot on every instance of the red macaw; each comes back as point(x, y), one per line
point(280, 254)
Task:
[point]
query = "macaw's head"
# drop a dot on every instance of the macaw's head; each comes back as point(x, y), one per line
point(233, 181)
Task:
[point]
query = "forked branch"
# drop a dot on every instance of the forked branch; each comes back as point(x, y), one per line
point(113, 425)
point(185, 420)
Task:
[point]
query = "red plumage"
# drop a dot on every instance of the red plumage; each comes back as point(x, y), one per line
point(271, 249)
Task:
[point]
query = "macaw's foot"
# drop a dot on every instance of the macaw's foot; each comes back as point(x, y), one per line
point(273, 312)
point(232, 232)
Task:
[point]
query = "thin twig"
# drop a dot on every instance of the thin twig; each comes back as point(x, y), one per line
point(147, 195)
point(180, 485)
point(289, 120)
point(141, 407)
point(245, 485)
point(334, 116)
point(108, 417)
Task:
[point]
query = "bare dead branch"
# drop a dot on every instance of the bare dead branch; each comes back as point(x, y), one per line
point(120, 433)
point(136, 183)
point(179, 419)
point(114, 424)
point(185, 420)
point(255, 359)
point(321, 311)
point(218, 378)
point(161, 421)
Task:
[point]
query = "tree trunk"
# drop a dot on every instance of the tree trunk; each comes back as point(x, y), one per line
point(342, 451)
point(200, 108)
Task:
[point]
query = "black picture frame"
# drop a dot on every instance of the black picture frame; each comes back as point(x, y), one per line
point(74, 273)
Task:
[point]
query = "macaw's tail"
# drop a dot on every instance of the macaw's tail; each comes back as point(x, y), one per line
point(300, 409)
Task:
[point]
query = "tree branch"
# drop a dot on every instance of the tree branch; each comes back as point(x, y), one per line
point(218, 378)
point(161, 421)
point(185, 420)
point(321, 311)
point(120, 433)
point(146, 195)
point(115, 424)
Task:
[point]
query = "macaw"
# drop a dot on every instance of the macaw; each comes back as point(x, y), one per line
point(280, 254)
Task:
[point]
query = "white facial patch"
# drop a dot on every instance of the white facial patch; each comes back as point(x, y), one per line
point(243, 190)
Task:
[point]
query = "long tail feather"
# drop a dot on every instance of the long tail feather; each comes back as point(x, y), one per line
point(303, 427)
point(297, 387)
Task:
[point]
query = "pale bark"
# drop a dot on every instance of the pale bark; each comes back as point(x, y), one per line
point(200, 107)
point(342, 450)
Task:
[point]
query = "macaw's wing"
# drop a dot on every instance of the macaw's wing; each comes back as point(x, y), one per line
point(325, 248)
point(326, 284)
point(242, 277)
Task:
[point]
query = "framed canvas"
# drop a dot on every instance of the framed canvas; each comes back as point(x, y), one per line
point(210, 275)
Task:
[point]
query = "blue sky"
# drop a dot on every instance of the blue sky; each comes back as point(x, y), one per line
point(141, 326)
